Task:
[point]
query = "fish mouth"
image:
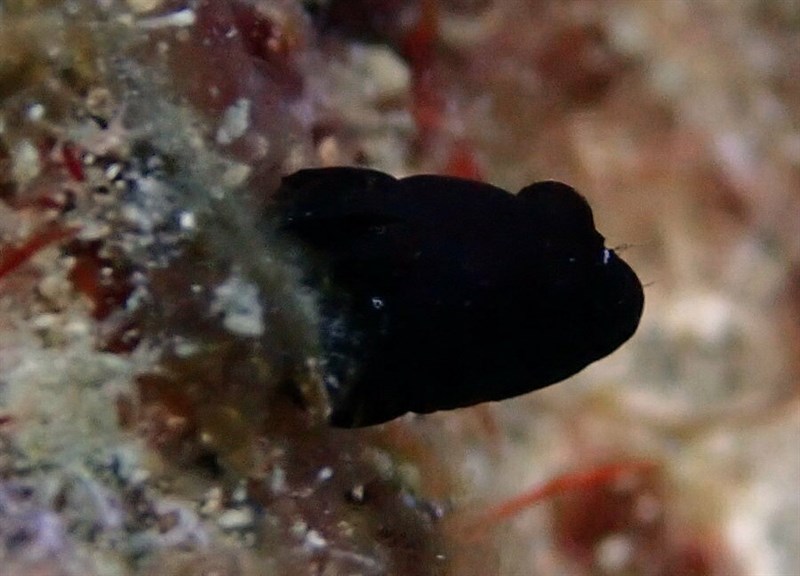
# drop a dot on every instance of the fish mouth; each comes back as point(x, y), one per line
point(620, 304)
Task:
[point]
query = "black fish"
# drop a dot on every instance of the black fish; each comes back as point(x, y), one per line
point(438, 293)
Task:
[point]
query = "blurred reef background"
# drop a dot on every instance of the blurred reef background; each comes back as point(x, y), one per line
point(161, 410)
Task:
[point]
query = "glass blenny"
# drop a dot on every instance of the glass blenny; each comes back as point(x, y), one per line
point(438, 292)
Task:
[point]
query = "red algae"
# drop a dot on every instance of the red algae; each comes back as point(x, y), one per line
point(579, 482)
point(72, 161)
point(247, 69)
point(14, 256)
point(579, 64)
point(463, 162)
point(108, 287)
point(627, 525)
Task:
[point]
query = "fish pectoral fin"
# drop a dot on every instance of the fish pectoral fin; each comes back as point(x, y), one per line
point(333, 229)
point(337, 204)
